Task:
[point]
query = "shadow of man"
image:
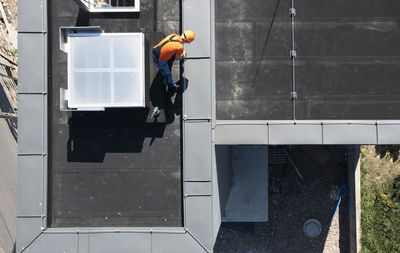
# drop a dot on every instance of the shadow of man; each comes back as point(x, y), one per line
point(165, 98)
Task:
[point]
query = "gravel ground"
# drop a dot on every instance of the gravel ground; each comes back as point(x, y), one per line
point(11, 10)
point(291, 203)
point(8, 188)
point(8, 145)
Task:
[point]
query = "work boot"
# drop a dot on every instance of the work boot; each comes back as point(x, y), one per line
point(172, 89)
point(178, 88)
point(156, 112)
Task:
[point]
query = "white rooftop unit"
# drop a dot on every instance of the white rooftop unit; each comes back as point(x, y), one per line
point(105, 70)
point(111, 5)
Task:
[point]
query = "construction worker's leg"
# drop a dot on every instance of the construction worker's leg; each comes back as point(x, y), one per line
point(171, 62)
point(155, 61)
point(165, 71)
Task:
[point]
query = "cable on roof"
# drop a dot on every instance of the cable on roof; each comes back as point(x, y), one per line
point(265, 45)
point(293, 54)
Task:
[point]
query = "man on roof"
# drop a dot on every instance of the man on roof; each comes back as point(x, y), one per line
point(169, 49)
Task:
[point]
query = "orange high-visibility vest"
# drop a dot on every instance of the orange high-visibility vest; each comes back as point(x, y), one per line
point(168, 47)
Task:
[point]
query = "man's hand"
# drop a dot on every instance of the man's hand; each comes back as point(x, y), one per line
point(182, 56)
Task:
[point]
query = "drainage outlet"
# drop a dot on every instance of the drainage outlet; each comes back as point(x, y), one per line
point(312, 228)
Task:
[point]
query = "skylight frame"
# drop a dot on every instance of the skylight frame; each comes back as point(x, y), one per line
point(68, 97)
point(91, 6)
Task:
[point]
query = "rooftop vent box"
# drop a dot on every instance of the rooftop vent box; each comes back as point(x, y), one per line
point(105, 70)
point(111, 5)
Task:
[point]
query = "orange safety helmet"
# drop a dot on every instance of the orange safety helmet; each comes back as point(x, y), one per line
point(189, 35)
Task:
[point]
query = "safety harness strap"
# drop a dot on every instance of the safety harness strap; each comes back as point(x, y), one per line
point(157, 50)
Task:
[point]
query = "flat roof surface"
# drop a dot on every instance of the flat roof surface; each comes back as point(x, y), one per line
point(347, 65)
point(117, 167)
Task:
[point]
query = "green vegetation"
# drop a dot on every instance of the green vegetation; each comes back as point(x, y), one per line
point(364, 168)
point(363, 153)
point(380, 205)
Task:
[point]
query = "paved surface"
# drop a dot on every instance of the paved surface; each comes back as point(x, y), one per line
point(8, 182)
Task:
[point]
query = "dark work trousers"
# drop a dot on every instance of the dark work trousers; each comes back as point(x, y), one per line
point(165, 71)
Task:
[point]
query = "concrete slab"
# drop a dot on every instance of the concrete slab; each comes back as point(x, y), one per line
point(198, 188)
point(197, 96)
point(243, 132)
point(197, 150)
point(30, 179)
point(28, 230)
point(32, 59)
point(388, 134)
point(175, 243)
point(197, 17)
point(350, 134)
point(295, 134)
point(198, 219)
point(32, 17)
point(54, 243)
point(248, 200)
point(32, 121)
point(120, 242)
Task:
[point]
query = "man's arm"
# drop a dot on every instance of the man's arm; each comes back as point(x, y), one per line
point(181, 56)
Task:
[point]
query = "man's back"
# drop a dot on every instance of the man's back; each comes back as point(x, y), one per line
point(170, 48)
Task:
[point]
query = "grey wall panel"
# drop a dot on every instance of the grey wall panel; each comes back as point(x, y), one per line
point(304, 132)
point(241, 133)
point(213, 61)
point(55, 243)
point(196, 17)
point(199, 219)
point(32, 62)
point(30, 185)
point(32, 15)
point(349, 134)
point(32, 121)
point(198, 188)
point(248, 200)
point(197, 151)
point(223, 175)
point(83, 243)
point(389, 134)
point(197, 97)
point(295, 134)
point(217, 213)
point(27, 230)
point(174, 243)
point(120, 242)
